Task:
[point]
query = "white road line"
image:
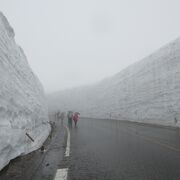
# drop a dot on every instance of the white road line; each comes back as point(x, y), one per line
point(61, 174)
point(68, 143)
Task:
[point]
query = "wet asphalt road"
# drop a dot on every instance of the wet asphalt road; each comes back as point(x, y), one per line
point(113, 150)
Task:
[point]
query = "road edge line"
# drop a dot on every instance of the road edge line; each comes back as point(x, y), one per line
point(67, 152)
point(61, 174)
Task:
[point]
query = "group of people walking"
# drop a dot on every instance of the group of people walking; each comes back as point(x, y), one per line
point(71, 116)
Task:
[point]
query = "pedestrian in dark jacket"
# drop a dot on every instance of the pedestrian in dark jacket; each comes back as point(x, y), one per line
point(70, 116)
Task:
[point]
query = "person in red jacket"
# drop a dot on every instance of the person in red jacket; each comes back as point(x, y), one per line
point(76, 118)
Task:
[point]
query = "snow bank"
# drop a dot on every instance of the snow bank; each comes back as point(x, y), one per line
point(22, 103)
point(148, 91)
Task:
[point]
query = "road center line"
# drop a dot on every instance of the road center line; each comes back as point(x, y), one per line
point(61, 174)
point(68, 143)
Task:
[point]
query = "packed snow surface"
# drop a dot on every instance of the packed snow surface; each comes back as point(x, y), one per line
point(23, 107)
point(147, 91)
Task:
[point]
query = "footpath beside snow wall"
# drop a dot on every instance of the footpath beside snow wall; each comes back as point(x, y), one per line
point(23, 108)
point(148, 92)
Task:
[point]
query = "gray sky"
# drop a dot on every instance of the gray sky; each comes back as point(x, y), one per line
point(75, 42)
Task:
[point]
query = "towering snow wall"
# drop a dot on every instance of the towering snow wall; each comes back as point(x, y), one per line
point(148, 91)
point(23, 107)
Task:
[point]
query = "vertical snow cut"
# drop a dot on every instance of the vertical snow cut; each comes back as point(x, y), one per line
point(147, 91)
point(23, 108)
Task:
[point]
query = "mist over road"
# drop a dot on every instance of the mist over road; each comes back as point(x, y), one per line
point(114, 150)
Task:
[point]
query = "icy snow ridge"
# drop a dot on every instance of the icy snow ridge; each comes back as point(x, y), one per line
point(23, 106)
point(148, 92)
